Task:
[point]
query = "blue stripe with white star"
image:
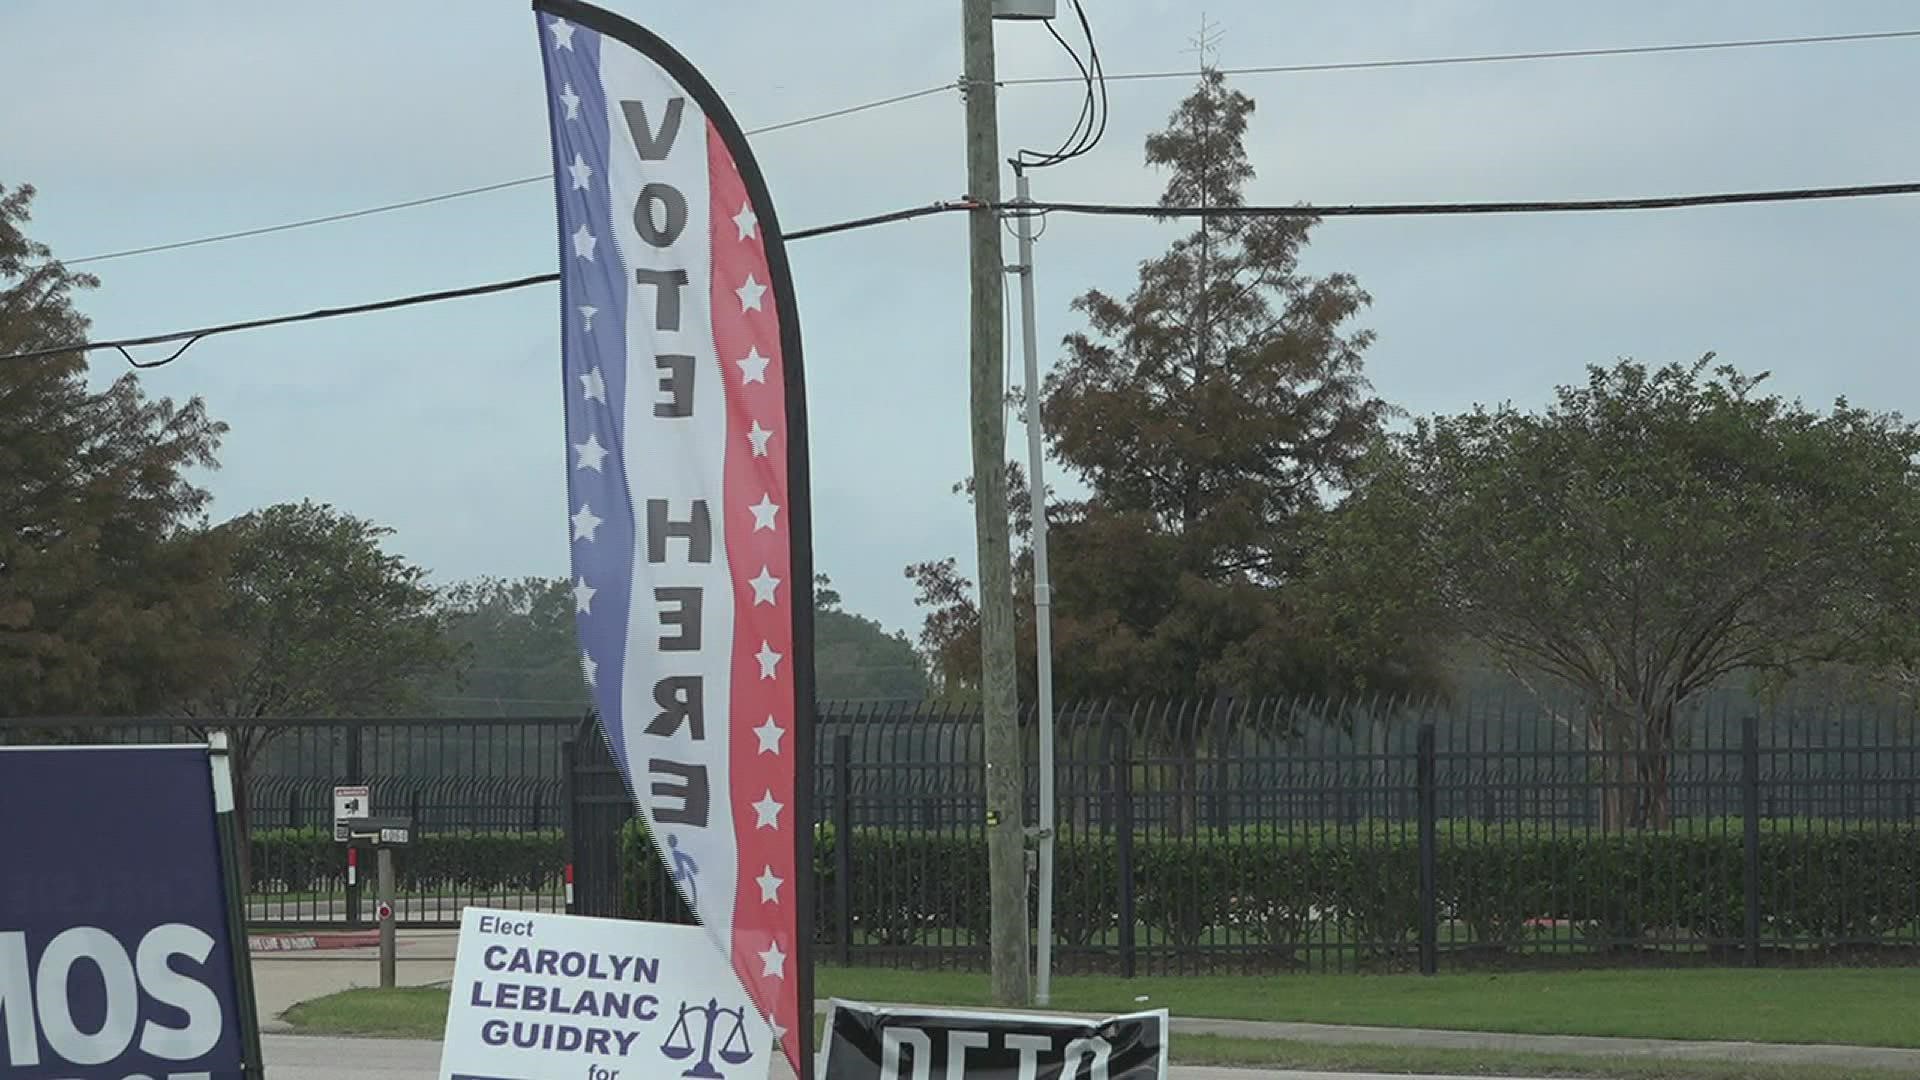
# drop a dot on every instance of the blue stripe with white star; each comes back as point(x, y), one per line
point(593, 347)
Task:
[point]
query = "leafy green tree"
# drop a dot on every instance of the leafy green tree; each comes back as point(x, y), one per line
point(1210, 413)
point(856, 659)
point(328, 623)
point(107, 583)
point(1651, 534)
point(332, 625)
point(519, 645)
point(520, 651)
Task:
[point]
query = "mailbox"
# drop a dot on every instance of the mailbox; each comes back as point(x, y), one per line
point(380, 831)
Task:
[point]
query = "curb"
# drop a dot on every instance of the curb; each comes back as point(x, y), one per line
point(278, 943)
point(1596, 1046)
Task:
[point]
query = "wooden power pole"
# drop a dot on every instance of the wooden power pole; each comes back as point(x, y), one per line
point(1006, 803)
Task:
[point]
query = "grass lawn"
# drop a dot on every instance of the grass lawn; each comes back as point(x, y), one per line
point(1861, 1006)
point(1865, 1007)
point(422, 1013)
point(405, 1013)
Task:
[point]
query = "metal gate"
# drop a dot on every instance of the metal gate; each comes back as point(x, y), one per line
point(612, 869)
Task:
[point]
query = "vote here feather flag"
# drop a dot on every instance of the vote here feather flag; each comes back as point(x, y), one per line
point(687, 486)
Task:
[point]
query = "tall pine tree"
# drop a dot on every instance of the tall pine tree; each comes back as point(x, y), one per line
point(108, 583)
point(1211, 412)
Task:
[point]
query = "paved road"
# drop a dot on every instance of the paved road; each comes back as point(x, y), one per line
point(297, 1057)
point(284, 979)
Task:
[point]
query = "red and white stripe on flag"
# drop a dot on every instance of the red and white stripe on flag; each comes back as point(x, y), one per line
point(746, 334)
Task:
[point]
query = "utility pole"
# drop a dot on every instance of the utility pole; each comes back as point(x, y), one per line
point(1042, 590)
point(1006, 791)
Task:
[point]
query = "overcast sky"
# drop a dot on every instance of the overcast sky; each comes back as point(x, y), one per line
point(146, 123)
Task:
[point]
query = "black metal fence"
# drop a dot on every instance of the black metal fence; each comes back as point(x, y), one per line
point(1389, 834)
point(1379, 835)
point(1191, 836)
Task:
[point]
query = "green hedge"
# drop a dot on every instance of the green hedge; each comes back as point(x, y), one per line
point(1277, 888)
point(1271, 886)
point(309, 860)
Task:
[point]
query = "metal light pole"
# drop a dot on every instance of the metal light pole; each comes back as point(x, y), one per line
point(1042, 588)
point(989, 504)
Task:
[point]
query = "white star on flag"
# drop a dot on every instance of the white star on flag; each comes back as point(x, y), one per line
point(562, 34)
point(750, 294)
point(583, 597)
point(584, 523)
point(753, 367)
point(587, 665)
point(778, 1031)
point(769, 734)
point(571, 100)
point(758, 437)
point(773, 962)
point(581, 172)
point(746, 220)
point(766, 812)
point(587, 312)
point(763, 512)
point(583, 242)
point(769, 884)
point(763, 587)
point(592, 454)
point(767, 657)
point(594, 386)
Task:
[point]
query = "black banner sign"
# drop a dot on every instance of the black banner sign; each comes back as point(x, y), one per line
point(866, 1042)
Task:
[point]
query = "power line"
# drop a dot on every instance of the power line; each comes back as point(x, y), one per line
point(193, 336)
point(896, 99)
point(1558, 206)
point(326, 219)
point(428, 200)
point(1091, 125)
point(1660, 202)
point(190, 337)
point(1487, 58)
point(1284, 69)
point(883, 219)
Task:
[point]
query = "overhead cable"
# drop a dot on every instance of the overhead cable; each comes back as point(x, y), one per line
point(408, 204)
point(1487, 58)
point(1091, 125)
point(1282, 69)
point(190, 337)
point(1558, 206)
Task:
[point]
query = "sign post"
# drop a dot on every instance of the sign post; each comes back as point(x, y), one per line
point(384, 834)
point(122, 936)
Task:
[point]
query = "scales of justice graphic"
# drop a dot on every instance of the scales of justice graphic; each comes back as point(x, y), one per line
point(733, 1048)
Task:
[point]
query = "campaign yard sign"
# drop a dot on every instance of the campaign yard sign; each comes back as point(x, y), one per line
point(538, 995)
point(117, 927)
point(866, 1042)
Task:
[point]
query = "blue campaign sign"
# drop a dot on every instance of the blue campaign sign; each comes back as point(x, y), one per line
point(117, 928)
